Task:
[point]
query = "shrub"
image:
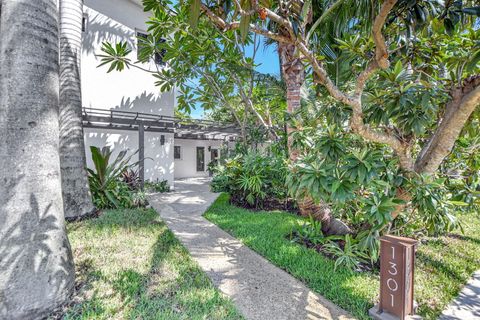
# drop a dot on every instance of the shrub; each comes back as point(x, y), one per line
point(252, 179)
point(108, 190)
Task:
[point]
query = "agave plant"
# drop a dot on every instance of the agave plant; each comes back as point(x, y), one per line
point(105, 181)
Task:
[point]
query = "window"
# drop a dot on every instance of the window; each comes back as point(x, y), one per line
point(143, 41)
point(84, 22)
point(177, 152)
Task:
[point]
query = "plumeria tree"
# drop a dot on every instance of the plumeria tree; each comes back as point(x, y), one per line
point(210, 68)
point(435, 74)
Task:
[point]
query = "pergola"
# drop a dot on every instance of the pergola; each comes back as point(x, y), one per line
point(141, 122)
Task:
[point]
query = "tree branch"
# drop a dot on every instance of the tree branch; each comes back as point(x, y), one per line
point(322, 75)
point(379, 62)
point(381, 50)
point(465, 99)
point(247, 101)
point(224, 26)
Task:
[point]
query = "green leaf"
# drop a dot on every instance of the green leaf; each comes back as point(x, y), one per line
point(449, 27)
point(475, 11)
point(244, 27)
point(194, 12)
point(473, 62)
point(458, 203)
point(398, 68)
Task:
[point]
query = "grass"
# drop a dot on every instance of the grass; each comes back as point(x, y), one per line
point(130, 266)
point(443, 265)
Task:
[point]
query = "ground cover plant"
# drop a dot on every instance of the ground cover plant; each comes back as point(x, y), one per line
point(157, 186)
point(130, 266)
point(444, 263)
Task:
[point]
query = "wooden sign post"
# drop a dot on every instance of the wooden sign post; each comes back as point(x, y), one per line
point(397, 261)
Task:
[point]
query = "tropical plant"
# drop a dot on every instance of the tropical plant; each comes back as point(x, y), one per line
point(108, 191)
point(139, 199)
point(131, 178)
point(310, 233)
point(361, 185)
point(252, 178)
point(348, 254)
point(37, 274)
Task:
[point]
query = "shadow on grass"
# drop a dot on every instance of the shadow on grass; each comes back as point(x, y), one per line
point(438, 265)
point(464, 238)
point(265, 232)
point(176, 288)
point(173, 287)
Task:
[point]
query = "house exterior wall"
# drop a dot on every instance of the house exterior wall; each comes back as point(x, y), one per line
point(129, 90)
point(187, 166)
point(157, 157)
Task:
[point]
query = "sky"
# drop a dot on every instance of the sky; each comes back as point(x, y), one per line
point(266, 57)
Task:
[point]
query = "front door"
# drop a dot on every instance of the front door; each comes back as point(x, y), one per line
point(200, 158)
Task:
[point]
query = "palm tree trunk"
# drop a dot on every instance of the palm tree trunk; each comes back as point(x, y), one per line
point(36, 265)
point(293, 73)
point(77, 200)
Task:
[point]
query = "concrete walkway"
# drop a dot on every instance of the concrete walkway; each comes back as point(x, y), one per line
point(467, 304)
point(259, 289)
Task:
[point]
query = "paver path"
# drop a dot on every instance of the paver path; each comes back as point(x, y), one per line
point(467, 305)
point(259, 289)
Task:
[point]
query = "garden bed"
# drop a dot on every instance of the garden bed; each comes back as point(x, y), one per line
point(130, 266)
point(266, 204)
point(444, 264)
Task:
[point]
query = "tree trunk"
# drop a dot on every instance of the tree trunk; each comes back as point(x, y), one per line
point(293, 73)
point(77, 199)
point(36, 264)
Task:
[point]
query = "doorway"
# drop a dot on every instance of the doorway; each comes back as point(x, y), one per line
point(200, 159)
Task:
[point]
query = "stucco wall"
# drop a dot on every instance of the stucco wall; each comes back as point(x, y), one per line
point(187, 165)
point(158, 164)
point(129, 90)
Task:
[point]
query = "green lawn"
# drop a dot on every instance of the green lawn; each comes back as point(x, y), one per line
point(130, 266)
point(443, 264)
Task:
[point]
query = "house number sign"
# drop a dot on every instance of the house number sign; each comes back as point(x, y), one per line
point(397, 259)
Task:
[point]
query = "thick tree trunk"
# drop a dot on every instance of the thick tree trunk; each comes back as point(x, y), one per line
point(36, 264)
point(293, 73)
point(77, 200)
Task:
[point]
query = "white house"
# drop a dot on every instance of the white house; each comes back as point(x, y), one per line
point(119, 106)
